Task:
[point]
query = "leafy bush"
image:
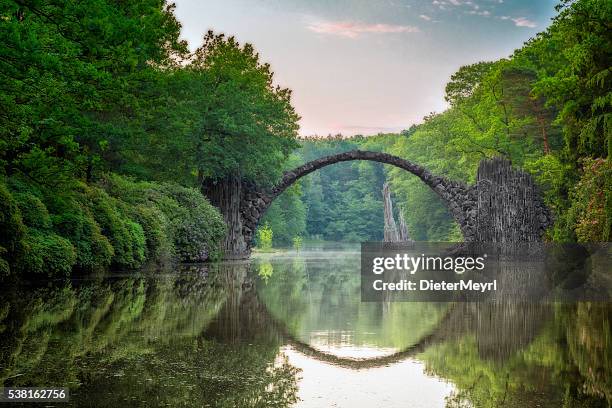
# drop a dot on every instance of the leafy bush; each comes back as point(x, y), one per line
point(48, 253)
point(592, 201)
point(75, 222)
point(264, 237)
point(33, 212)
point(198, 226)
point(142, 202)
point(178, 221)
point(158, 238)
point(297, 243)
point(119, 222)
point(126, 236)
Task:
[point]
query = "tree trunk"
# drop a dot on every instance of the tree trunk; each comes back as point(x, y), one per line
point(544, 135)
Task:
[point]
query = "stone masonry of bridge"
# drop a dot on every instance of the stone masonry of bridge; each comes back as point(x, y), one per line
point(504, 205)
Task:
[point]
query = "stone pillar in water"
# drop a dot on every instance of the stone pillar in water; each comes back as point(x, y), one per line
point(391, 233)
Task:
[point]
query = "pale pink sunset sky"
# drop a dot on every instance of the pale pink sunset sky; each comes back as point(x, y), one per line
point(368, 66)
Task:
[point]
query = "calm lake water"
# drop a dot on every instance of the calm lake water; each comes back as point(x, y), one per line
point(290, 330)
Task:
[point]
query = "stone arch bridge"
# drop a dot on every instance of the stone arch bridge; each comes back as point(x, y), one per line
point(504, 205)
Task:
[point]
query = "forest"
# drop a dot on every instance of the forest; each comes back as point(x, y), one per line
point(110, 128)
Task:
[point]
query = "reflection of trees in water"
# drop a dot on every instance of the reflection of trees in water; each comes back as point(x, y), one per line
point(204, 338)
point(498, 354)
point(324, 296)
point(242, 318)
point(589, 341)
point(148, 342)
point(499, 329)
point(520, 355)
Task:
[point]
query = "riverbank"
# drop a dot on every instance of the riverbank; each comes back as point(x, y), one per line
point(114, 223)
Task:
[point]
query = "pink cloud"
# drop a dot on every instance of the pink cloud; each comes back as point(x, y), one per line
point(351, 29)
point(523, 22)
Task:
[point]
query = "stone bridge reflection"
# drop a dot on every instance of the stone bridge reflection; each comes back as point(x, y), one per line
point(211, 336)
point(500, 329)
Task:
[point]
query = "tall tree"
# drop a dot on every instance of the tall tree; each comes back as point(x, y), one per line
point(247, 124)
point(582, 37)
point(68, 69)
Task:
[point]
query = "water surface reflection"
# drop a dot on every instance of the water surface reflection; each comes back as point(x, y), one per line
point(290, 330)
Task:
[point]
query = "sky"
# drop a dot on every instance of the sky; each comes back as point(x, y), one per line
point(368, 66)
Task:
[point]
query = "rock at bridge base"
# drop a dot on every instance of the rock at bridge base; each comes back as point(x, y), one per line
point(510, 207)
point(227, 196)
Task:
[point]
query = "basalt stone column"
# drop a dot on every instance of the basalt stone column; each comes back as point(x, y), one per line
point(227, 196)
point(510, 207)
point(461, 201)
point(252, 208)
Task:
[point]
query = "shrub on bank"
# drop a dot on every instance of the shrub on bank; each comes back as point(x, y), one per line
point(76, 223)
point(116, 223)
point(158, 240)
point(125, 234)
point(47, 253)
point(193, 226)
point(33, 212)
point(591, 202)
point(197, 226)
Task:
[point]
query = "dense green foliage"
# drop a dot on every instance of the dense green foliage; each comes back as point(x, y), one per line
point(179, 219)
point(206, 113)
point(342, 202)
point(71, 77)
point(96, 89)
point(250, 126)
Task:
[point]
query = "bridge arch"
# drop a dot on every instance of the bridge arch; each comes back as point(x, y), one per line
point(504, 205)
point(458, 197)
